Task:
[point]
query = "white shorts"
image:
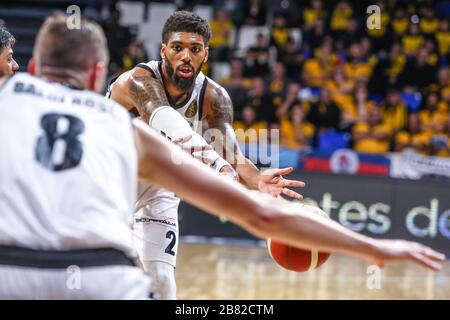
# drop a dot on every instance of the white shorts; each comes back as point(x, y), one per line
point(108, 282)
point(155, 231)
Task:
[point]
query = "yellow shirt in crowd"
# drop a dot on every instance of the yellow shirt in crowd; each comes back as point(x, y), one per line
point(248, 134)
point(290, 132)
point(371, 145)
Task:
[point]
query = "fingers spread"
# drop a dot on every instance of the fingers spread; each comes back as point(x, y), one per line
point(424, 261)
point(294, 183)
point(292, 194)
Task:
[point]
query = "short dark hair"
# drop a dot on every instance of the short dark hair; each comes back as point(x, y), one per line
point(75, 49)
point(6, 39)
point(186, 21)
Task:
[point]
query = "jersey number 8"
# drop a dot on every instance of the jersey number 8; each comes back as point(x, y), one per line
point(59, 148)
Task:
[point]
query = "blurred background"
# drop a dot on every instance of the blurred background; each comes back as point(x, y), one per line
point(361, 113)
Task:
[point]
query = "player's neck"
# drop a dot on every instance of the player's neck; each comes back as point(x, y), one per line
point(64, 77)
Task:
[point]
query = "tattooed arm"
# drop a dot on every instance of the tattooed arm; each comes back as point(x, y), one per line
point(138, 89)
point(219, 114)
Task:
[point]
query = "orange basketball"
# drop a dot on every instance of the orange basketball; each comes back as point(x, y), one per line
point(296, 259)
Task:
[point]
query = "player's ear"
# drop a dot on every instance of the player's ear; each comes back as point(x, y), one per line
point(207, 55)
point(163, 51)
point(97, 77)
point(31, 67)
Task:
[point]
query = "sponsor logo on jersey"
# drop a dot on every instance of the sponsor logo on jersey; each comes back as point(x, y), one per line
point(167, 221)
point(191, 110)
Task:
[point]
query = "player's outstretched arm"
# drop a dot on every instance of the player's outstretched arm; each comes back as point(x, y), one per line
point(219, 114)
point(262, 215)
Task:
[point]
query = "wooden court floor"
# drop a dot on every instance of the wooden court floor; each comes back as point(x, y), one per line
point(207, 271)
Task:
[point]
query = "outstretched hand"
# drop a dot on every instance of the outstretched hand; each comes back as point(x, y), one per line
point(272, 182)
point(388, 251)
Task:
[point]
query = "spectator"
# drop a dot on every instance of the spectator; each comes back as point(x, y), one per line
point(443, 39)
point(257, 58)
point(247, 129)
point(279, 33)
point(314, 37)
point(431, 116)
point(428, 23)
point(412, 138)
point(341, 89)
point(135, 54)
point(118, 38)
point(357, 67)
point(260, 101)
point(399, 23)
point(324, 114)
point(340, 17)
point(440, 142)
point(237, 86)
point(394, 111)
point(277, 85)
point(222, 28)
point(255, 13)
point(316, 70)
point(413, 40)
point(312, 14)
point(292, 58)
point(419, 73)
point(378, 35)
point(295, 132)
point(372, 136)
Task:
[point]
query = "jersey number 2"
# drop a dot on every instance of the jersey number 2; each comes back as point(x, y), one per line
point(59, 148)
point(173, 240)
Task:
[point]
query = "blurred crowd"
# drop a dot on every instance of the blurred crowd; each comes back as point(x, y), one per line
point(341, 84)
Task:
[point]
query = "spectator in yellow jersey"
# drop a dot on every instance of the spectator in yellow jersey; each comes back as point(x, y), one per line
point(412, 41)
point(400, 23)
point(443, 38)
point(313, 13)
point(378, 35)
point(248, 129)
point(317, 69)
point(341, 89)
point(357, 67)
point(412, 137)
point(396, 63)
point(432, 117)
point(372, 136)
point(222, 29)
point(295, 132)
point(428, 23)
point(279, 33)
point(440, 142)
point(341, 16)
point(394, 111)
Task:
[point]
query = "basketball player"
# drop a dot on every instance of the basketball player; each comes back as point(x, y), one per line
point(7, 63)
point(68, 175)
point(172, 96)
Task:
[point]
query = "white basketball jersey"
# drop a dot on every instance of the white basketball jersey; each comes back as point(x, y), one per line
point(191, 109)
point(68, 167)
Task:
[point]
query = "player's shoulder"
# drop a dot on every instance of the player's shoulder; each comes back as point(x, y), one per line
point(215, 91)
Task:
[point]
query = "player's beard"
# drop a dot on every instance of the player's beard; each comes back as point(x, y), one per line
point(179, 82)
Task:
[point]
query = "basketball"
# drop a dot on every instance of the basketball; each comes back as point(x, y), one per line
point(295, 259)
